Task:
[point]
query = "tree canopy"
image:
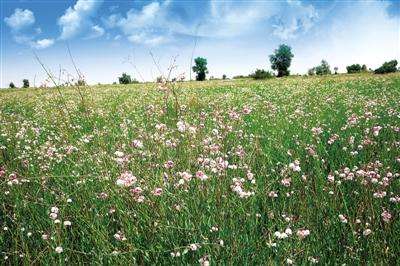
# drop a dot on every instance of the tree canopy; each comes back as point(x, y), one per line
point(281, 60)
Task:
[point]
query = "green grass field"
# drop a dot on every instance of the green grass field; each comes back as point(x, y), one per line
point(296, 170)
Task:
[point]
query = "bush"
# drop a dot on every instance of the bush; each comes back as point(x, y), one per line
point(261, 74)
point(364, 68)
point(239, 77)
point(223, 76)
point(323, 68)
point(387, 67)
point(355, 68)
point(25, 83)
point(125, 79)
point(311, 71)
point(80, 82)
point(12, 86)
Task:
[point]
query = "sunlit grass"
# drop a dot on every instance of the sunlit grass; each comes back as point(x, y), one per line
point(302, 170)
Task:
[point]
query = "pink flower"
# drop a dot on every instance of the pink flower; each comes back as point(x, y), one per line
point(126, 179)
point(386, 216)
point(157, 192)
point(169, 164)
point(137, 144)
point(303, 233)
point(200, 175)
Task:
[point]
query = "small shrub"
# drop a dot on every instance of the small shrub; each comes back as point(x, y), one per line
point(387, 67)
point(12, 86)
point(125, 79)
point(311, 71)
point(261, 74)
point(80, 82)
point(25, 83)
point(223, 76)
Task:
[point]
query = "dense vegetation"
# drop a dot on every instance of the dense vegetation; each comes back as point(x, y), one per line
point(298, 170)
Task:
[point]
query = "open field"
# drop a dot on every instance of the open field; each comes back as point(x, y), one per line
point(293, 170)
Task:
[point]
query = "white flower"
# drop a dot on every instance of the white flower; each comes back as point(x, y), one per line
point(54, 209)
point(59, 250)
point(67, 223)
point(119, 153)
point(181, 126)
point(367, 232)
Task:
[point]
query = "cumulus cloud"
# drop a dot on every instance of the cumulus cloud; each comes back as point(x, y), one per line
point(42, 44)
point(77, 19)
point(20, 19)
point(147, 25)
point(20, 23)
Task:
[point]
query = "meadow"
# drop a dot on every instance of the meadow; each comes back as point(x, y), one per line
point(297, 170)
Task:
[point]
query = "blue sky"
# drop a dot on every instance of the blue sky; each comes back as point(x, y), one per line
point(235, 36)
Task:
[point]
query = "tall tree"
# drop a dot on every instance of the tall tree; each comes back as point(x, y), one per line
point(281, 60)
point(200, 68)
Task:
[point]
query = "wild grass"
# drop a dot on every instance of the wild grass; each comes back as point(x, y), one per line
point(292, 170)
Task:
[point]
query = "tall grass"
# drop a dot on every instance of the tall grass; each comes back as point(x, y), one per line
point(295, 170)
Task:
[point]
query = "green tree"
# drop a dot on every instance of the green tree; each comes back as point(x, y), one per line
point(281, 60)
point(364, 68)
point(223, 76)
point(200, 68)
point(387, 67)
point(125, 79)
point(12, 86)
point(323, 68)
point(25, 83)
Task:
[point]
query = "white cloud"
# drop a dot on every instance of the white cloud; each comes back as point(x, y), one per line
point(20, 19)
point(294, 20)
point(96, 32)
point(145, 26)
point(78, 18)
point(43, 43)
point(232, 18)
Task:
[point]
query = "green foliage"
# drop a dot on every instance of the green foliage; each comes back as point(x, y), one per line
point(281, 60)
point(387, 67)
point(311, 71)
point(355, 68)
point(125, 79)
point(25, 83)
point(261, 74)
point(80, 82)
point(12, 86)
point(364, 68)
point(200, 68)
point(323, 68)
point(239, 77)
point(223, 76)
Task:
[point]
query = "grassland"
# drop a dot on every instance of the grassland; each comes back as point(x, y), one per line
point(296, 170)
